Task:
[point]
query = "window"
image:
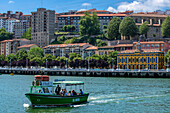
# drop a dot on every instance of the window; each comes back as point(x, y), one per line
point(162, 45)
point(147, 45)
point(152, 45)
point(143, 45)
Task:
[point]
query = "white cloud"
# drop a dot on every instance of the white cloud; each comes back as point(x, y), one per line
point(141, 5)
point(11, 2)
point(82, 9)
point(86, 4)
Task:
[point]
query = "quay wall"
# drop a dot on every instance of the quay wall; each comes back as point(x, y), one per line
point(86, 73)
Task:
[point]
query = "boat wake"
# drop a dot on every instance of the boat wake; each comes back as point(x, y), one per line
point(26, 105)
point(117, 98)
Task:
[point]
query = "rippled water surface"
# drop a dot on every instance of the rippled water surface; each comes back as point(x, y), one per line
point(106, 95)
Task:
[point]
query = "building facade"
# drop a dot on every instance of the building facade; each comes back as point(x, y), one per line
point(154, 23)
point(27, 47)
point(9, 24)
point(119, 47)
point(140, 59)
point(11, 46)
point(158, 45)
point(73, 19)
point(63, 50)
point(42, 27)
point(2, 22)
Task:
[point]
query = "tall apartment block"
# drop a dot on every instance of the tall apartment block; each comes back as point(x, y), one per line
point(42, 24)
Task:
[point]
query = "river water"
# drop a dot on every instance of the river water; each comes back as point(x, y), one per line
point(107, 95)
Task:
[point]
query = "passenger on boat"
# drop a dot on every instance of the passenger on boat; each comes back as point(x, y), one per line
point(71, 93)
point(65, 92)
point(57, 90)
point(62, 92)
point(74, 93)
point(39, 91)
point(81, 92)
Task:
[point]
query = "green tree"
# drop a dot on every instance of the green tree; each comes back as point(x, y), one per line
point(21, 55)
point(167, 56)
point(49, 57)
point(100, 43)
point(143, 29)
point(165, 27)
point(5, 35)
point(37, 60)
point(27, 34)
point(2, 57)
point(105, 31)
point(35, 52)
point(11, 57)
point(113, 29)
point(73, 56)
point(89, 25)
point(128, 27)
point(113, 57)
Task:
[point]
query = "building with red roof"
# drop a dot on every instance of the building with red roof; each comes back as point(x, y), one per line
point(139, 58)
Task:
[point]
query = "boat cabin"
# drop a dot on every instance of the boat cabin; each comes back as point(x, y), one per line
point(42, 85)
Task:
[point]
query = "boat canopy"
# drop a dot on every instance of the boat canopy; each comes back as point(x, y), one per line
point(69, 83)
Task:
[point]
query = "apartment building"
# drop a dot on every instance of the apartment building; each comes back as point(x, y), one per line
point(63, 50)
point(9, 24)
point(154, 22)
point(27, 47)
point(119, 47)
point(158, 45)
point(2, 22)
point(10, 46)
point(10, 14)
point(21, 26)
point(73, 19)
point(42, 24)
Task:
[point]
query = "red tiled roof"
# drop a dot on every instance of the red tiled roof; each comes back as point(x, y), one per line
point(26, 15)
point(12, 19)
point(75, 15)
point(6, 40)
point(25, 46)
point(92, 10)
point(149, 15)
point(150, 42)
point(118, 45)
point(125, 12)
point(56, 13)
point(3, 17)
point(91, 48)
point(143, 50)
point(64, 45)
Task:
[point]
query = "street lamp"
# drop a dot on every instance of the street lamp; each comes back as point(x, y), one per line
point(66, 63)
point(139, 63)
point(88, 61)
point(168, 64)
point(112, 63)
point(46, 63)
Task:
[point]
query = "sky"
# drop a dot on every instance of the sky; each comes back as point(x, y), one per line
point(28, 6)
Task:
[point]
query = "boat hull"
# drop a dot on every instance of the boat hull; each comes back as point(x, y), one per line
point(55, 100)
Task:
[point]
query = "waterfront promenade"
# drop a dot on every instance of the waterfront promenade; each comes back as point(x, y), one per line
point(88, 72)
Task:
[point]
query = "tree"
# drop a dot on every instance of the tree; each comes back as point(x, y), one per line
point(49, 57)
point(165, 27)
point(69, 28)
point(143, 29)
point(89, 25)
point(27, 34)
point(113, 56)
point(128, 27)
point(167, 57)
point(38, 60)
point(5, 35)
point(2, 57)
point(21, 55)
point(100, 43)
point(73, 56)
point(11, 57)
point(113, 29)
point(35, 52)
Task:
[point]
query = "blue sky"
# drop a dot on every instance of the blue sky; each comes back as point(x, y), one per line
point(28, 6)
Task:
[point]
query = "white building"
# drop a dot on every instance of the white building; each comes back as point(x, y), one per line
point(9, 24)
point(2, 22)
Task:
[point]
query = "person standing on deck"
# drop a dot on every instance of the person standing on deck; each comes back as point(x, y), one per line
point(57, 90)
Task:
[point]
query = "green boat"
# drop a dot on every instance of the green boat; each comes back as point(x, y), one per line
point(42, 93)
